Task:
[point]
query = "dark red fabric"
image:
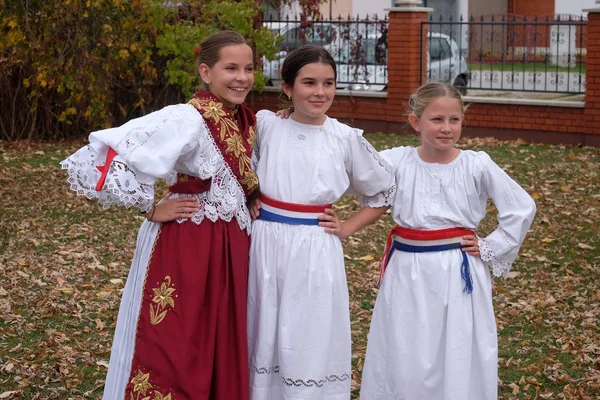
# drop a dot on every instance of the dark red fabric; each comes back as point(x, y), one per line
point(199, 350)
point(191, 186)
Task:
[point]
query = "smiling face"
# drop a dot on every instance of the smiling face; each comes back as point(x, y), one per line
point(312, 92)
point(440, 126)
point(232, 76)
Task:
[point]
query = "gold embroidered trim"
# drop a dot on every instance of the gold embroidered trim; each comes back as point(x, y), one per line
point(141, 386)
point(229, 133)
point(162, 298)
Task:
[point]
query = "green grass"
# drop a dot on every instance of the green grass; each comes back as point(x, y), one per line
point(59, 253)
point(525, 67)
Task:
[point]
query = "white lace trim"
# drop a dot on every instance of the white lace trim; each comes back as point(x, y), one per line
point(224, 200)
point(371, 150)
point(121, 186)
point(499, 268)
point(381, 199)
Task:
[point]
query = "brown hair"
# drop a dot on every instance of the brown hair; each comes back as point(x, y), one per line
point(209, 50)
point(424, 95)
point(299, 57)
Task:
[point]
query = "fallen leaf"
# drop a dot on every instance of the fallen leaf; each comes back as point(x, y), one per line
point(585, 246)
point(366, 258)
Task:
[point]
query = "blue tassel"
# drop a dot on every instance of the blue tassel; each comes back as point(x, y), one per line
point(466, 274)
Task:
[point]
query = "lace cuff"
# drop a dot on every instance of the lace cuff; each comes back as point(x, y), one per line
point(382, 199)
point(499, 268)
point(121, 186)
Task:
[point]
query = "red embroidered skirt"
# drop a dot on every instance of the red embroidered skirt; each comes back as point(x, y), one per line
point(190, 341)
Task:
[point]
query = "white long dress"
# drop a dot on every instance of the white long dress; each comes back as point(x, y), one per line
point(298, 308)
point(428, 340)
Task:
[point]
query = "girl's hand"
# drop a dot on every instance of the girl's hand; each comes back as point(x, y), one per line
point(254, 208)
point(171, 209)
point(470, 245)
point(332, 224)
point(285, 113)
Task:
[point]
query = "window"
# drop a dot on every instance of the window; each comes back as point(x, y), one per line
point(439, 49)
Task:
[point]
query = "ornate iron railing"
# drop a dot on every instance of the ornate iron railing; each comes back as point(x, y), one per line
point(509, 53)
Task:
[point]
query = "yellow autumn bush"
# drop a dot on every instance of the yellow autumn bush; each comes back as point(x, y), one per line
point(70, 66)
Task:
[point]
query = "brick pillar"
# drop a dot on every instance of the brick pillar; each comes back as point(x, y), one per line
point(592, 92)
point(406, 63)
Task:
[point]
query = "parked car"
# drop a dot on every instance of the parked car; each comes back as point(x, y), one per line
point(445, 62)
point(362, 62)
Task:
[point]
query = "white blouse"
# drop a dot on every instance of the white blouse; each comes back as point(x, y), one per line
point(310, 164)
point(159, 145)
point(438, 196)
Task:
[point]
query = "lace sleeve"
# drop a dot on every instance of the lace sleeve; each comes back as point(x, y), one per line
point(516, 210)
point(148, 148)
point(121, 186)
point(371, 176)
point(499, 268)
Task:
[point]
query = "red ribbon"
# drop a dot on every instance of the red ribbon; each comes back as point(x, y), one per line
point(104, 169)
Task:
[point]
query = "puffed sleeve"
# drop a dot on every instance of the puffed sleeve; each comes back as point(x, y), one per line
point(262, 118)
point(516, 210)
point(394, 158)
point(147, 148)
point(371, 176)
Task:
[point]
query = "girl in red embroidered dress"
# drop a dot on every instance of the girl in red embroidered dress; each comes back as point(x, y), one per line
point(181, 329)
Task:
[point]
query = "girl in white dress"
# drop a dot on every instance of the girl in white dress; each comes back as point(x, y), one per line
point(298, 308)
point(433, 332)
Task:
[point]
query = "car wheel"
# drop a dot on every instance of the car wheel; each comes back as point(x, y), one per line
point(460, 83)
point(269, 82)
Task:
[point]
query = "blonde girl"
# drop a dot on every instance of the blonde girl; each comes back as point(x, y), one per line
point(433, 332)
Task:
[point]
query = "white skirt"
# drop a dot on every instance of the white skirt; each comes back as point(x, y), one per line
point(298, 314)
point(119, 367)
point(428, 340)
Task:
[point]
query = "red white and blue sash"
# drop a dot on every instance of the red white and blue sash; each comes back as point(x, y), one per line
point(422, 241)
point(290, 213)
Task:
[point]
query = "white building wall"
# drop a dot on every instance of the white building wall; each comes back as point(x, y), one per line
point(573, 6)
point(370, 7)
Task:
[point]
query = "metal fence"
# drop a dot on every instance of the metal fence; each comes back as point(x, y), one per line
point(490, 53)
point(357, 45)
point(509, 53)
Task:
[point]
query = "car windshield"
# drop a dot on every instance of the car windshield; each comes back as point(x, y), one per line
point(439, 49)
point(319, 35)
point(367, 52)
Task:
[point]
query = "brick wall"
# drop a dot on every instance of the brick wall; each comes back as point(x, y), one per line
point(531, 8)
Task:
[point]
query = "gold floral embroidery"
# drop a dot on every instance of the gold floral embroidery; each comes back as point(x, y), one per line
point(251, 137)
point(141, 385)
point(229, 128)
point(235, 145)
point(245, 164)
point(250, 180)
point(162, 298)
point(181, 178)
point(229, 133)
point(211, 109)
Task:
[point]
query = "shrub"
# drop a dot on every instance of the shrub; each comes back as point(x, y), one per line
point(71, 66)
